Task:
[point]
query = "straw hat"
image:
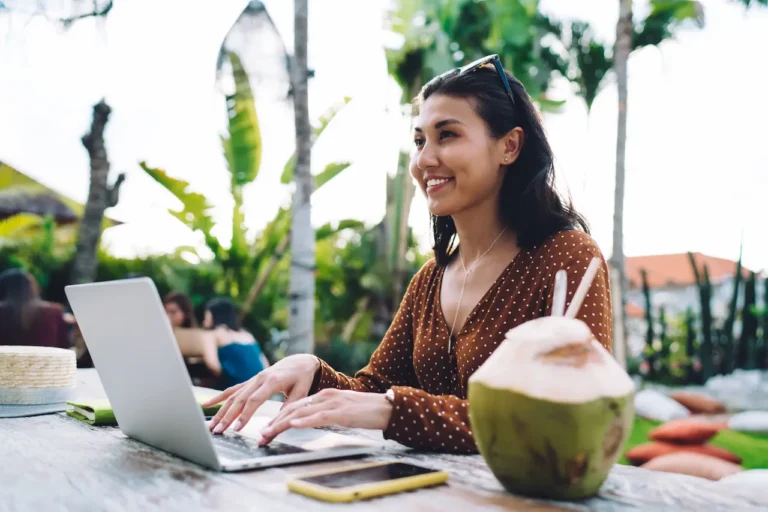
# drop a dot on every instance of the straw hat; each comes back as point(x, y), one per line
point(36, 375)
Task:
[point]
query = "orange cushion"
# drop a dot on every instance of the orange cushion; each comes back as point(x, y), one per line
point(685, 430)
point(694, 464)
point(643, 453)
point(697, 402)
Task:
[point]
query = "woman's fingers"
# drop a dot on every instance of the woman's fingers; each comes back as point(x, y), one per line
point(233, 406)
point(222, 412)
point(223, 395)
point(255, 400)
point(283, 423)
point(297, 392)
point(318, 419)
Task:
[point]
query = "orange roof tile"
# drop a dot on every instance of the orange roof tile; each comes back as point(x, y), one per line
point(634, 311)
point(675, 269)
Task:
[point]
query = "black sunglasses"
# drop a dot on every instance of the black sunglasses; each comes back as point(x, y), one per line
point(479, 63)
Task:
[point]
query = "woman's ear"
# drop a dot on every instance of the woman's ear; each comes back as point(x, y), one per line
point(510, 145)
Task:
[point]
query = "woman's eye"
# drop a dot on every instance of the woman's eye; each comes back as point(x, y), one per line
point(445, 133)
point(418, 142)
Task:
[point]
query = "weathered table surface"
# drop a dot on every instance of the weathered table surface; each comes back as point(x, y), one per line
point(54, 462)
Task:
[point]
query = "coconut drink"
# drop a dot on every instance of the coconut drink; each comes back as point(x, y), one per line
point(551, 409)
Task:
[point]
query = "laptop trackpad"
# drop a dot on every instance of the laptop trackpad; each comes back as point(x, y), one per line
point(309, 439)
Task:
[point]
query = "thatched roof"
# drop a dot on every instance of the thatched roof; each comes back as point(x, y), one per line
point(14, 201)
point(20, 193)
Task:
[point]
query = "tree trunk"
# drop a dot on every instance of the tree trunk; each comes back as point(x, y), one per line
point(100, 197)
point(621, 57)
point(302, 287)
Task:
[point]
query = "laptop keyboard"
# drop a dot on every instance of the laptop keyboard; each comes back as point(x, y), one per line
point(235, 446)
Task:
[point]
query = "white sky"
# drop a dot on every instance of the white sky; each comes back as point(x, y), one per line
point(697, 157)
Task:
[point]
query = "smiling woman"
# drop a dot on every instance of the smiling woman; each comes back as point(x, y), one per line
point(483, 162)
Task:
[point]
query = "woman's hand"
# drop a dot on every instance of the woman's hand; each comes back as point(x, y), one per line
point(292, 376)
point(352, 409)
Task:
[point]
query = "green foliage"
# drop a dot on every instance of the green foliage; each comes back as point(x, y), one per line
point(42, 257)
point(592, 61)
point(347, 358)
point(746, 354)
point(665, 18)
point(705, 299)
point(440, 35)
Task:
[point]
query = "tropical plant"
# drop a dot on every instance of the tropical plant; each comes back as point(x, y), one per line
point(246, 261)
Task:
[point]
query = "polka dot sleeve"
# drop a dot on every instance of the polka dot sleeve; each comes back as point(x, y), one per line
point(431, 423)
point(596, 309)
point(391, 363)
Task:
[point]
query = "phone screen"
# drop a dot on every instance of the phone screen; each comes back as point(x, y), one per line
point(368, 475)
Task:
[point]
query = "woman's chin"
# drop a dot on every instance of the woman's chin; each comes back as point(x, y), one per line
point(440, 208)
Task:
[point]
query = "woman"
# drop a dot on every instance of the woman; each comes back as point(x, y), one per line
point(178, 307)
point(481, 158)
point(25, 319)
point(230, 353)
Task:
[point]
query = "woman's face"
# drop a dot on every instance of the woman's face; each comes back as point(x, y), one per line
point(175, 314)
point(455, 161)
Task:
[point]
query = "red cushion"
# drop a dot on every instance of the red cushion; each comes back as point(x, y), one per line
point(686, 431)
point(698, 402)
point(643, 453)
point(694, 464)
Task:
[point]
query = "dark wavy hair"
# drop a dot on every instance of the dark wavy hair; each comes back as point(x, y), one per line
point(224, 312)
point(530, 205)
point(19, 305)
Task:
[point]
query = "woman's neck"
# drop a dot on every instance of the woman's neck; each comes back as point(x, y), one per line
point(479, 229)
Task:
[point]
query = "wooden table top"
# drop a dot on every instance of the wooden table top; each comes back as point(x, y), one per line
point(54, 462)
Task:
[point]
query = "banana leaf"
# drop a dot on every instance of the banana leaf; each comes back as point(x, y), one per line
point(318, 130)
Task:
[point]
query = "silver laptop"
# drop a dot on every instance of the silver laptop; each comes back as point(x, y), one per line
point(131, 341)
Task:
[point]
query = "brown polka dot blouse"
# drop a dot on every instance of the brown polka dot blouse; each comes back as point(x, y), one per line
point(430, 384)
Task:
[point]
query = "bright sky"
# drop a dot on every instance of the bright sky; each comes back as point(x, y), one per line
point(696, 149)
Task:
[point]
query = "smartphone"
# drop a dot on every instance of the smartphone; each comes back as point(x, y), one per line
point(365, 481)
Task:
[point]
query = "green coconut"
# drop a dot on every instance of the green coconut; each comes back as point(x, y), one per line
point(551, 409)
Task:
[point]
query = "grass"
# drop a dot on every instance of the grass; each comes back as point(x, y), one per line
point(752, 448)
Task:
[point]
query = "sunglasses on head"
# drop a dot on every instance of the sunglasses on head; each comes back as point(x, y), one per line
point(479, 63)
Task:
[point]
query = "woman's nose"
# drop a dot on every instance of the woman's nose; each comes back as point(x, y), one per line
point(427, 158)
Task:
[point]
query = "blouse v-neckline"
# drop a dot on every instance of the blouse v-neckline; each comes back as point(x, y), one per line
point(486, 296)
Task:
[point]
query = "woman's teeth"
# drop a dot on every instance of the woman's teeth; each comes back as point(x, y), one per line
point(432, 183)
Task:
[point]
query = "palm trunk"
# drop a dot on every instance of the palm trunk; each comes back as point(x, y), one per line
point(100, 197)
point(302, 287)
point(621, 57)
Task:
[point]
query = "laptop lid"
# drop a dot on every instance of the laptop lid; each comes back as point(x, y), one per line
point(143, 373)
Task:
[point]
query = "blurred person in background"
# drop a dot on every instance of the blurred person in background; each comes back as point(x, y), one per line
point(231, 353)
point(180, 311)
point(26, 319)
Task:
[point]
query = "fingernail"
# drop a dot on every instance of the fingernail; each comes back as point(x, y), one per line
point(238, 425)
point(266, 432)
point(295, 422)
point(219, 428)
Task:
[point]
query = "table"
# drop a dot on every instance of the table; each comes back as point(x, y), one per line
point(54, 463)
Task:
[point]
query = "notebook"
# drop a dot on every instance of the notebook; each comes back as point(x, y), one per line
point(98, 411)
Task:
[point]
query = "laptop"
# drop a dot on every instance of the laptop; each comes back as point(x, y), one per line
point(132, 344)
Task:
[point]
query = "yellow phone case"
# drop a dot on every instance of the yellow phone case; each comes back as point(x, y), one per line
point(364, 491)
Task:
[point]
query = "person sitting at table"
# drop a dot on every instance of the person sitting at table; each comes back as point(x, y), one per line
point(180, 311)
point(229, 351)
point(482, 159)
point(26, 319)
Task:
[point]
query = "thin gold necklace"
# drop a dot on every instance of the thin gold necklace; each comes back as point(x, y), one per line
point(464, 282)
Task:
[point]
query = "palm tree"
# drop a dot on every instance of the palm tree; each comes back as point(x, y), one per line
point(302, 287)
